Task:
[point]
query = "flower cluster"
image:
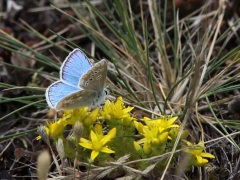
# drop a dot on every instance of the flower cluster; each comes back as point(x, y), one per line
point(155, 134)
point(116, 113)
point(96, 134)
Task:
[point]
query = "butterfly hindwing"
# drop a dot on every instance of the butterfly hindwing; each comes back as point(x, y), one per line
point(76, 100)
point(57, 91)
point(75, 65)
point(95, 78)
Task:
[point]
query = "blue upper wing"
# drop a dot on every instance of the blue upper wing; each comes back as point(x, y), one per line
point(57, 91)
point(75, 65)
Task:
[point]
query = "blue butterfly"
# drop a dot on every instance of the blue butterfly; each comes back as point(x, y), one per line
point(80, 84)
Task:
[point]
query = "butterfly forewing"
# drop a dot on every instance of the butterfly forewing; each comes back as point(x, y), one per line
point(95, 78)
point(76, 100)
point(75, 65)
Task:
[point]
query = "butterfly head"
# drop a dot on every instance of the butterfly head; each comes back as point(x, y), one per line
point(106, 91)
point(101, 98)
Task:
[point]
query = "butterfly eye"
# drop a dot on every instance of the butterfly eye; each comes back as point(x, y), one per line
point(106, 91)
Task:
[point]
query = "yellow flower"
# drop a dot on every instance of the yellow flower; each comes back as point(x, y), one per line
point(155, 131)
point(128, 121)
point(173, 133)
point(70, 117)
point(117, 111)
point(153, 136)
point(196, 153)
point(142, 151)
point(87, 118)
point(77, 115)
point(162, 123)
point(98, 142)
point(55, 129)
point(91, 118)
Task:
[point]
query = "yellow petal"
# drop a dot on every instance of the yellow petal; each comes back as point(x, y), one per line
point(86, 145)
point(200, 161)
point(94, 154)
point(208, 155)
point(93, 137)
point(147, 148)
point(107, 150)
point(163, 137)
point(92, 117)
point(98, 131)
point(188, 143)
point(172, 120)
point(83, 140)
point(128, 109)
point(111, 134)
point(137, 147)
point(139, 127)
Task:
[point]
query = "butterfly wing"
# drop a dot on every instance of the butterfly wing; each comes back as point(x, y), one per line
point(95, 78)
point(80, 84)
point(57, 91)
point(76, 100)
point(74, 66)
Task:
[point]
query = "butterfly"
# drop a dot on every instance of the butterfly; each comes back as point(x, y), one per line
point(80, 84)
